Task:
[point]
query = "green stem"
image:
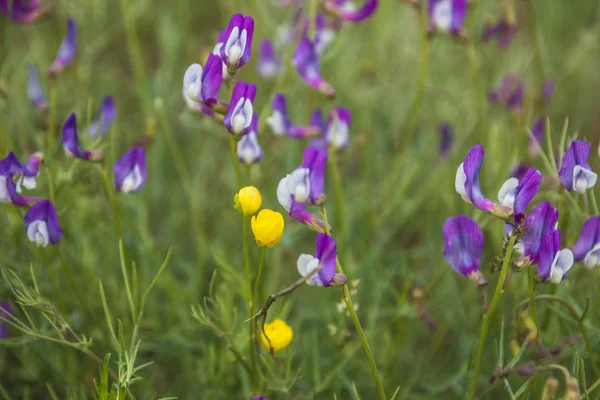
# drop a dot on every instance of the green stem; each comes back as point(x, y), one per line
point(251, 332)
point(338, 195)
point(474, 67)
point(488, 317)
point(234, 159)
point(259, 274)
point(421, 79)
point(537, 39)
point(533, 308)
point(594, 202)
point(112, 198)
point(347, 298)
point(52, 118)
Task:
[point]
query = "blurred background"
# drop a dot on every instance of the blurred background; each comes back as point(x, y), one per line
point(397, 187)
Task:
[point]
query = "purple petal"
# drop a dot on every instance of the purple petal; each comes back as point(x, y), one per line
point(519, 171)
point(326, 253)
point(5, 309)
point(45, 212)
point(588, 238)
point(240, 112)
point(130, 171)
point(550, 245)
point(11, 165)
point(106, 115)
point(9, 194)
point(315, 160)
point(316, 127)
point(67, 50)
point(23, 11)
point(237, 45)
point(527, 189)
point(345, 10)
point(31, 167)
point(541, 220)
point(538, 131)
point(472, 166)
point(70, 141)
point(212, 76)
point(578, 154)
point(299, 213)
point(337, 133)
point(35, 91)
point(306, 61)
point(269, 66)
point(463, 244)
point(510, 92)
point(459, 13)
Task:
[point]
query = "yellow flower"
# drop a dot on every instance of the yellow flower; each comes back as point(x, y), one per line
point(279, 333)
point(248, 200)
point(267, 227)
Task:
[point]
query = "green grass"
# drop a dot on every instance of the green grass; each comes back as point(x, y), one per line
point(395, 196)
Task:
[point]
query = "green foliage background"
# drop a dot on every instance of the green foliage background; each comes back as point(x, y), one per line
point(396, 196)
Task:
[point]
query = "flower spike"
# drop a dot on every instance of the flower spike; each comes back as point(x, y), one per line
point(237, 47)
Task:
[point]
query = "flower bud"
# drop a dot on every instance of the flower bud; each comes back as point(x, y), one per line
point(248, 200)
point(267, 227)
point(339, 280)
point(279, 335)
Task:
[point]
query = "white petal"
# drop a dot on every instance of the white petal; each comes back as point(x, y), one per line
point(29, 182)
point(233, 38)
point(132, 181)
point(461, 179)
point(506, 194)
point(563, 261)
point(592, 258)
point(4, 196)
point(337, 133)
point(276, 123)
point(583, 179)
point(299, 184)
point(37, 232)
point(442, 15)
point(306, 264)
point(284, 196)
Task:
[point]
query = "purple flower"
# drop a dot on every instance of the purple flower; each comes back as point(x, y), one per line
point(306, 61)
point(348, 11)
point(22, 11)
point(203, 84)
point(241, 110)
point(30, 172)
point(9, 167)
point(338, 128)
point(279, 122)
point(554, 263)
point(518, 171)
point(269, 65)
point(447, 15)
point(324, 34)
point(510, 92)
point(446, 134)
point(5, 312)
point(323, 262)
point(237, 47)
point(503, 30)
point(130, 171)
point(306, 182)
point(106, 115)
point(575, 172)
point(41, 222)
point(516, 194)
point(463, 246)
point(315, 128)
point(587, 248)
point(248, 149)
point(467, 185)
point(540, 221)
point(67, 50)
point(70, 141)
point(35, 91)
point(217, 51)
point(538, 131)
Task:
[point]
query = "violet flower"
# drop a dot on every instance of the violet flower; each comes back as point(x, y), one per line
point(130, 171)
point(516, 194)
point(22, 11)
point(30, 172)
point(503, 31)
point(463, 246)
point(316, 126)
point(324, 34)
point(323, 263)
point(575, 172)
point(554, 263)
point(279, 122)
point(538, 130)
point(70, 142)
point(338, 128)
point(5, 312)
point(203, 84)
point(518, 171)
point(106, 115)
point(241, 110)
point(237, 48)
point(9, 167)
point(467, 185)
point(510, 92)
point(348, 11)
point(248, 149)
point(217, 51)
point(306, 61)
point(446, 134)
point(447, 15)
point(587, 248)
point(41, 222)
point(35, 91)
point(67, 51)
point(269, 65)
point(540, 221)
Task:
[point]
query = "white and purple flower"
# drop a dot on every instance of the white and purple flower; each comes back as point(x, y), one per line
point(306, 61)
point(22, 11)
point(202, 85)
point(9, 191)
point(237, 45)
point(67, 51)
point(269, 65)
point(130, 171)
point(248, 149)
point(322, 266)
point(348, 11)
point(463, 246)
point(41, 222)
point(71, 145)
point(516, 194)
point(279, 122)
point(540, 221)
point(106, 115)
point(447, 15)
point(337, 132)
point(575, 172)
point(587, 248)
point(503, 31)
point(554, 263)
point(241, 109)
point(316, 127)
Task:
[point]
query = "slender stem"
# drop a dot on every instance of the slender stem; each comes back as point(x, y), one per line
point(338, 195)
point(533, 308)
point(259, 274)
point(488, 317)
point(251, 331)
point(537, 39)
point(347, 298)
point(236, 163)
point(52, 118)
point(586, 204)
point(249, 173)
point(594, 202)
point(421, 79)
point(112, 198)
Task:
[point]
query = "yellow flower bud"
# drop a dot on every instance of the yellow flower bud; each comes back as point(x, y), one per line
point(267, 227)
point(248, 200)
point(279, 333)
